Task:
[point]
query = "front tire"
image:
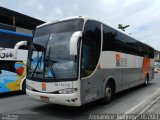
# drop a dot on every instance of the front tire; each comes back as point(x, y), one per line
point(108, 94)
point(24, 87)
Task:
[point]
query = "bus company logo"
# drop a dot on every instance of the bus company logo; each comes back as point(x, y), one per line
point(43, 86)
point(118, 60)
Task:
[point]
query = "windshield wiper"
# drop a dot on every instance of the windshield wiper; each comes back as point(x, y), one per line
point(50, 63)
point(37, 65)
point(38, 60)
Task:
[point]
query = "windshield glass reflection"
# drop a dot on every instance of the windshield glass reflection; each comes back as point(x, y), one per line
point(49, 56)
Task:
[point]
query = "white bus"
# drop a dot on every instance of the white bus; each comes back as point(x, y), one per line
point(13, 62)
point(78, 60)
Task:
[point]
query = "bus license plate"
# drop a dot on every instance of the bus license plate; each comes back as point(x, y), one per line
point(44, 99)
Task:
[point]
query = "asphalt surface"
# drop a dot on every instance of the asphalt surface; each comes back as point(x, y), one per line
point(155, 109)
point(19, 105)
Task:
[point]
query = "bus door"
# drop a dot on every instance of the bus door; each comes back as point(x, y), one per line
point(91, 79)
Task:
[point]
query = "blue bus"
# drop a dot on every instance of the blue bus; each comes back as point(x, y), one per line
point(12, 71)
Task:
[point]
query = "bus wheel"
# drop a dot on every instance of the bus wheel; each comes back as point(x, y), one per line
point(146, 81)
point(108, 94)
point(24, 87)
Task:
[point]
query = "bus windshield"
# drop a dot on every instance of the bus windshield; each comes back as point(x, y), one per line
point(49, 56)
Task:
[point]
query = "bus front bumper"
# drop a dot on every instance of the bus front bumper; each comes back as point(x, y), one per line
point(61, 99)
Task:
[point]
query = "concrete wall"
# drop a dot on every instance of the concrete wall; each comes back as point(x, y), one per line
point(22, 30)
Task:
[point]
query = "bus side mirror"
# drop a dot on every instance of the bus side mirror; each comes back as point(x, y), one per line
point(73, 42)
point(17, 46)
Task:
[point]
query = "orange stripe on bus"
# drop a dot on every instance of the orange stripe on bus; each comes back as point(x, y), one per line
point(145, 65)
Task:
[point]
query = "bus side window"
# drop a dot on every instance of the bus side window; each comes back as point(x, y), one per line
point(91, 44)
point(86, 60)
point(90, 57)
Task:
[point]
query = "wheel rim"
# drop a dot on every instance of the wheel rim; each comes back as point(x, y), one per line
point(108, 92)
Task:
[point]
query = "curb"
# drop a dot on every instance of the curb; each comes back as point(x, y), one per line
point(145, 105)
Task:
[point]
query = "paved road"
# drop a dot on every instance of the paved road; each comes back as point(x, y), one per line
point(155, 109)
point(27, 108)
point(152, 113)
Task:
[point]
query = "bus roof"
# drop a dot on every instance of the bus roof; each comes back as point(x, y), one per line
point(89, 18)
point(15, 33)
point(80, 17)
point(64, 19)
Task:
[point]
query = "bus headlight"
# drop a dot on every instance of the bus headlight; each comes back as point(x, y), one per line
point(67, 91)
point(29, 87)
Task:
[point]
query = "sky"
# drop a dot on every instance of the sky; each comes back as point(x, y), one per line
point(143, 16)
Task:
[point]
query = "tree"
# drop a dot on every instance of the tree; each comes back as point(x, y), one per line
point(120, 26)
